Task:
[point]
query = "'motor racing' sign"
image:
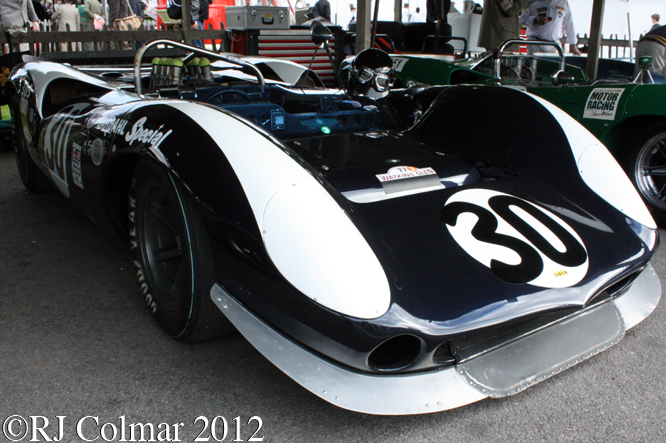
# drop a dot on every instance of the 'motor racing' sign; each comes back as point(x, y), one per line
point(602, 103)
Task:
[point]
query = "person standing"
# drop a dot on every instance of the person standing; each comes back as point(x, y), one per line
point(199, 13)
point(19, 13)
point(118, 9)
point(417, 16)
point(548, 20)
point(82, 19)
point(405, 13)
point(499, 22)
point(653, 44)
point(68, 18)
point(92, 8)
point(40, 10)
point(137, 8)
point(655, 22)
point(431, 10)
point(322, 9)
point(48, 5)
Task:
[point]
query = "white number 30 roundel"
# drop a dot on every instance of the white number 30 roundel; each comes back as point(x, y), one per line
point(519, 241)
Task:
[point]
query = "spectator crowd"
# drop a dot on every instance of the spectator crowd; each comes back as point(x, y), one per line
point(68, 15)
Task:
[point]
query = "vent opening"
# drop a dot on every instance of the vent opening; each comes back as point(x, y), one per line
point(395, 353)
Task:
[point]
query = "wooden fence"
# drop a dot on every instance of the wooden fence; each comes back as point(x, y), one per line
point(48, 41)
point(613, 47)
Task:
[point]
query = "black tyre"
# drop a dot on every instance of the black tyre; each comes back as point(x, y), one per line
point(32, 177)
point(646, 167)
point(172, 255)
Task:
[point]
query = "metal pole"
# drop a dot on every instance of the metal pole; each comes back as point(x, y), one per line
point(374, 25)
point(186, 6)
point(631, 40)
point(594, 42)
point(363, 25)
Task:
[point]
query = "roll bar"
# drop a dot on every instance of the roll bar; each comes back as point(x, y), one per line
point(194, 51)
point(506, 44)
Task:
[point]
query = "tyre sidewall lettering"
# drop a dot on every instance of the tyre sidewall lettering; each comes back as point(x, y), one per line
point(140, 273)
point(174, 318)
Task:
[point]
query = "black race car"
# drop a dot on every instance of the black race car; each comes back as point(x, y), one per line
point(394, 252)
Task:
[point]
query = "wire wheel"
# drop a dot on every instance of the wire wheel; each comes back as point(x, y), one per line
point(649, 172)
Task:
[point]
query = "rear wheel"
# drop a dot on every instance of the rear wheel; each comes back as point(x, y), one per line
point(646, 167)
point(173, 256)
point(32, 177)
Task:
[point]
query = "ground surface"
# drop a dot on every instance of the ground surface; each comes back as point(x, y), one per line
point(77, 341)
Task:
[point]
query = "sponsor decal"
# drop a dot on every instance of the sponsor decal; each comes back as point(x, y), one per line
point(404, 172)
point(520, 242)
point(152, 137)
point(97, 151)
point(407, 179)
point(111, 125)
point(277, 119)
point(56, 143)
point(76, 165)
point(602, 103)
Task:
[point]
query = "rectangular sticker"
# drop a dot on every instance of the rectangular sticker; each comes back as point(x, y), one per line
point(76, 165)
point(408, 178)
point(602, 103)
point(399, 63)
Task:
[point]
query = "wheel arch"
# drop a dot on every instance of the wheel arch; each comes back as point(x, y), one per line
point(115, 189)
point(619, 137)
point(116, 184)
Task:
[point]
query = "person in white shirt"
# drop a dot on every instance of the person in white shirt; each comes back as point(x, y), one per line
point(548, 20)
point(405, 13)
point(417, 17)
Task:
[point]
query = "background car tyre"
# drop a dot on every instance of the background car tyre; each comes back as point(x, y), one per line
point(646, 168)
point(32, 177)
point(172, 255)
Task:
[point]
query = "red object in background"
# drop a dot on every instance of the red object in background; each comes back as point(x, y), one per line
point(216, 13)
point(523, 35)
